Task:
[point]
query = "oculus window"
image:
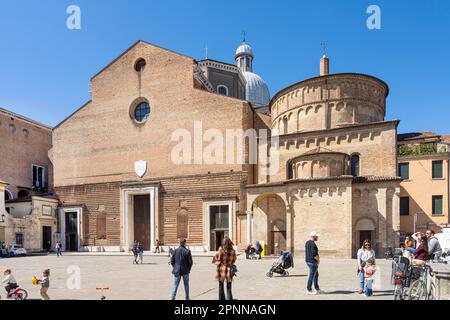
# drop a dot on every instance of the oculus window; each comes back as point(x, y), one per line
point(142, 112)
point(139, 65)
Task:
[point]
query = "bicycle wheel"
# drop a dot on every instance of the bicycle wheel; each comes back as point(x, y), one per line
point(398, 292)
point(432, 293)
point(417, 291)
point(21, 294)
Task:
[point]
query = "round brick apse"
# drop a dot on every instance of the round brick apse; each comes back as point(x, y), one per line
point(328, 102)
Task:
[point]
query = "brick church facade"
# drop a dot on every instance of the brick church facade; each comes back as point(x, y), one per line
point(116, 180)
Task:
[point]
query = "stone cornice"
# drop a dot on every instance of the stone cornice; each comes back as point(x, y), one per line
point(24, 119)
point(432, 156)
point(287, 182)
point(332, 131)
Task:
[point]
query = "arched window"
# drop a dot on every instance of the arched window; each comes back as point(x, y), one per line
point(290, 171)
point(223, 90)
point(22, 194)
point(355, 164)
point(182, 224)
point(8, 195)
point(285, 126)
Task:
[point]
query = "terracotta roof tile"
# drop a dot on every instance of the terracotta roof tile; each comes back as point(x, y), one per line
point(417, 135)
point(374, 179)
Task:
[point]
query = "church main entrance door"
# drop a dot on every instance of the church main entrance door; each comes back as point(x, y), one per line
point(142, 220)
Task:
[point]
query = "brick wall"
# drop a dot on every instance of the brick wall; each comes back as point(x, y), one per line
point(176, 193)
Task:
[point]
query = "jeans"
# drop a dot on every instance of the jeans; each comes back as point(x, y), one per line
point(313, 276)
point(368, 287)
point(222, 291)
point(176, 283)
point(361, 280)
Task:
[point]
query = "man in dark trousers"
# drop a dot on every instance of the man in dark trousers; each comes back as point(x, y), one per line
point(181, 262)
point(312, 260)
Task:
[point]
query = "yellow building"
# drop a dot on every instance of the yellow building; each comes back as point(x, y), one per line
point(423, 164)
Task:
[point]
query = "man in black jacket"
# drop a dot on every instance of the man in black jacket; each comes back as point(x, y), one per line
point(312, 260)
point(181, 262)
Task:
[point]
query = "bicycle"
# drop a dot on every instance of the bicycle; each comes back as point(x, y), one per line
point(425, 287)
point(17, 294)
point(401, 277)
point(401, 291)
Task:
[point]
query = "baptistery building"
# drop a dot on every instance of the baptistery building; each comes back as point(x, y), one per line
point(336, 160)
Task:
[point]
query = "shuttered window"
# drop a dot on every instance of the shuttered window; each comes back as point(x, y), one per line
point(437, 169)
point(403, 170)
point(404, 206)
point(437, 205)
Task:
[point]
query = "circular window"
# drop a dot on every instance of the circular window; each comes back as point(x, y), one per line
point(142, 111)
point(139, 65)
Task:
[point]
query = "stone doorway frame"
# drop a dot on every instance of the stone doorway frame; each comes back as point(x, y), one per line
point(127, 193)
point(62, 225)
point(206, 213)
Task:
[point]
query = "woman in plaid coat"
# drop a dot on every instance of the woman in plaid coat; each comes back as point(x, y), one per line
point(224, 259)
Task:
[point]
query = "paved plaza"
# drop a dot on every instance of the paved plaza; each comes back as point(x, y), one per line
point(153, 279)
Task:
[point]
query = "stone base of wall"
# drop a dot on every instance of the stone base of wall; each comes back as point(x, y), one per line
point(187, 193)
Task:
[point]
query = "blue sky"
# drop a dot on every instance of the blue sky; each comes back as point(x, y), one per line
point(45, 68)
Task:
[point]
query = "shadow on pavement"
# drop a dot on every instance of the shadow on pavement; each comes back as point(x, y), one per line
point(341, 292)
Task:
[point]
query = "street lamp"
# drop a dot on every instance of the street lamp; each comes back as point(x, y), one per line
point(415, 219)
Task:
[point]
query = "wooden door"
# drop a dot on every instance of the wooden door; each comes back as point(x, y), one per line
point(364, 235)
point(278, 237)
point(142, 220)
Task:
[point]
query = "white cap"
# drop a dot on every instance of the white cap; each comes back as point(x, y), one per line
point(314, 234)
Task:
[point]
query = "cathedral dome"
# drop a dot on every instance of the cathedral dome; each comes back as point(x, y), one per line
point(256, 90)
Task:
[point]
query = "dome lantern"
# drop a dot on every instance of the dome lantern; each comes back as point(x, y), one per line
point(256, 90)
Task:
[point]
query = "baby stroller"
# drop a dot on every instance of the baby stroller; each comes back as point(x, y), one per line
point(253, 254)
point(284, 262)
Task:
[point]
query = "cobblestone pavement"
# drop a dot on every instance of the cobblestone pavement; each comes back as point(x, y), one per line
point(153, 279)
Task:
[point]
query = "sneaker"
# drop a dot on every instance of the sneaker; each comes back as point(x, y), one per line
point(310, 292)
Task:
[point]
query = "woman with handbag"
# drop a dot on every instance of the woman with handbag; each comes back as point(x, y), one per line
point(365, 253)
point(224, 260)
